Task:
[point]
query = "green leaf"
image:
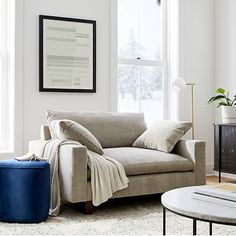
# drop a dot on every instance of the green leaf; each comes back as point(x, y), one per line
point(220, 90)
point(233, 101)
point(221, 104)
point(228, 99)
point(211, 100)
point(216, 98)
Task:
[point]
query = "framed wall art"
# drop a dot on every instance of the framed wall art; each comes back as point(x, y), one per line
point(67, 54)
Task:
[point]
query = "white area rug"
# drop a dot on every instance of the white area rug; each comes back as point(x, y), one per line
point(131, 216)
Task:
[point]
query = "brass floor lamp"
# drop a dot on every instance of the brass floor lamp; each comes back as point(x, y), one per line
point(178, 86)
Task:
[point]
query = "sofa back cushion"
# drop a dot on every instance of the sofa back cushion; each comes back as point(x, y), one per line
point(111, 129)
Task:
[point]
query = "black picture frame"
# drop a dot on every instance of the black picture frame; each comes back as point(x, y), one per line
point(42, 88)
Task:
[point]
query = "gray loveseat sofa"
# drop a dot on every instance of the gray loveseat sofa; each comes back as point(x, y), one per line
point(149, 171)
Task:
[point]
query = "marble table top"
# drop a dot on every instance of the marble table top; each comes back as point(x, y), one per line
point(181, 202)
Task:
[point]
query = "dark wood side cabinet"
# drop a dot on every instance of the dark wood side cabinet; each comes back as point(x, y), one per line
point(225, 148)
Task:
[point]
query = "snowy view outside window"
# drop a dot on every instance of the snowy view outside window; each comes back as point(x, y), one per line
point(140, 68)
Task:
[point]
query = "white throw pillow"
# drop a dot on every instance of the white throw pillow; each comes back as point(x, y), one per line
point(68, 129)
point(162, 135)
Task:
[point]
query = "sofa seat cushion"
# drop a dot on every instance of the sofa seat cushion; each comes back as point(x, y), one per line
point(138, 161)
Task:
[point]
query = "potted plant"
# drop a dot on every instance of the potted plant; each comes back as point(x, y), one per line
point(228, 105)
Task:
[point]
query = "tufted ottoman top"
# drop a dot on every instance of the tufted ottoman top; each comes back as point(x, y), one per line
point(14, 164)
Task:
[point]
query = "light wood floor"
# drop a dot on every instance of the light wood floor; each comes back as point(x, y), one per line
point(213, 179)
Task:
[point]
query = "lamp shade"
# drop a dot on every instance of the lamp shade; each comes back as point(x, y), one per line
point(179, 85)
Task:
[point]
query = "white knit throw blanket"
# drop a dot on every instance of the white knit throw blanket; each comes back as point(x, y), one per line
point(107, 175)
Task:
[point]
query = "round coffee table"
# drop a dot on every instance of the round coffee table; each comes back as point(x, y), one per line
point(180, 201)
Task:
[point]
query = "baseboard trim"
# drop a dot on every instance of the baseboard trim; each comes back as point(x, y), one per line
point(210, 172)
point(209, 169)
point(226, 175)
point(6, 155)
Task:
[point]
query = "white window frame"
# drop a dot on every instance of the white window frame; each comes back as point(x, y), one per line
point(7, 23)
point(162, 62)
point(14, 98)
point(169, 62)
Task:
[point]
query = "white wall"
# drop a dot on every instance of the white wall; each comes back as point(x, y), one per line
point(225, 46)
point(34, 103)
point(196, 65)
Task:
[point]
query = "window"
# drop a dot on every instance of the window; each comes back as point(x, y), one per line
point(6, 74)
point(142, 66)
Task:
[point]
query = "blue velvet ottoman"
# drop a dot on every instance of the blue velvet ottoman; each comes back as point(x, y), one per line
point(24, 191)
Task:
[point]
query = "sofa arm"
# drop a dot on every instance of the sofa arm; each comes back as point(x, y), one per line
point(45, 133)
point(72, 169)
point(73, 165)
point(194, 150)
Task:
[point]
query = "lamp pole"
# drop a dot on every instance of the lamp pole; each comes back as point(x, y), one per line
point(191, 85)
point(179, 85)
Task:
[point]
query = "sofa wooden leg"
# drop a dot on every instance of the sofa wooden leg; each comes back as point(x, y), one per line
point(88, 208)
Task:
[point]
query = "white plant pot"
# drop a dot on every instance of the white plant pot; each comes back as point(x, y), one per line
point(228, 114)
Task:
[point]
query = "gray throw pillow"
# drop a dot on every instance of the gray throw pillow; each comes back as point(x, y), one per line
point(68, 129)
point(162, 135)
